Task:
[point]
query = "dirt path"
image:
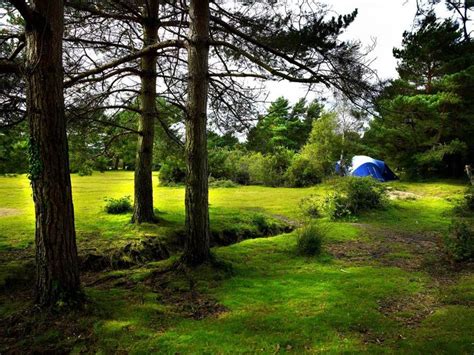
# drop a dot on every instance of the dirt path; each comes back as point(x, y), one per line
point(413, 252)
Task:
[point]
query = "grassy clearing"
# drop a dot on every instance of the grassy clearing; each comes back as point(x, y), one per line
point(380, 285)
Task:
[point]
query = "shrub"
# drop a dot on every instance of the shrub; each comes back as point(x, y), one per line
point(172, 173)
point(302, 172)
point(309, 240)
point(336, 206)
point(469, 198)
point(353, 196)
point(85, 169)
point(459, 242)
point(310, 206)
point(118, 205)
point(217, 163)
point(221, 183)
point(268, 170)
point(364, 194)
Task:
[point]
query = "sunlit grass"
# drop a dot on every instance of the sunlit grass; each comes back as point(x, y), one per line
point(275, 301)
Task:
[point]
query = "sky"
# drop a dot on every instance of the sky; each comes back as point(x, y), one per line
point(382, 20)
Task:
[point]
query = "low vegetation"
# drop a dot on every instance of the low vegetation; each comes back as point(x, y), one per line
point(309, 239)
point(379, 285)
point(118, 205)
point(459, 241)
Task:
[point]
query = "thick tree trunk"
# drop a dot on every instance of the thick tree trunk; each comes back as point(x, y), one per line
point(143, 205)
point(57, 277)
point(197, 206)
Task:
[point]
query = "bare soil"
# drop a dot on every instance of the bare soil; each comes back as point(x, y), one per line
point(8, 212)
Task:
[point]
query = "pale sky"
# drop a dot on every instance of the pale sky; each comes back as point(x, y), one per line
point(382, 20)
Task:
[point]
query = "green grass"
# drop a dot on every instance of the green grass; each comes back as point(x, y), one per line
point(274, 301)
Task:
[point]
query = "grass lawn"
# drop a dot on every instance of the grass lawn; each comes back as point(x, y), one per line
point(381, 285)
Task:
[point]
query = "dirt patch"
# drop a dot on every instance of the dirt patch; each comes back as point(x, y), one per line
point(409, 311)
point(402, 195)
point(8, 212)
point(191, 304)
point(410, 251)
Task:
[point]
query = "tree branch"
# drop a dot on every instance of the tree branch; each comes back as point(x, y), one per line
point(125, 59)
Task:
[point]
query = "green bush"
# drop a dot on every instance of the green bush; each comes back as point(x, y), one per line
point(221, 183)
point(85, 169)
point(218, 168)
point(469, 198)
point(309, 240)
point(118, 205)
point(310, 206)
point(459, 242)
point(364, 194)
point(302, 172)
point(354, 195)
point(172, 173)
point(336, 206)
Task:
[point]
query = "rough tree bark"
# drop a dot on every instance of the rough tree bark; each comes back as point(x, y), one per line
point(57, 277)
point(143, 205)
point(197, 248)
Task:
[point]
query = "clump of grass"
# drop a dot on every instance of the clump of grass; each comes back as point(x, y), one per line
point(309, 240)
point(459, 242)
point(118, 205)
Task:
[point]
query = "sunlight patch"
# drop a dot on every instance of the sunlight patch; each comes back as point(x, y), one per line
point(8, 212)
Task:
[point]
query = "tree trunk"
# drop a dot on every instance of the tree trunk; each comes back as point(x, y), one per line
point(143, 205)
point(57, 277)
point(197, 206)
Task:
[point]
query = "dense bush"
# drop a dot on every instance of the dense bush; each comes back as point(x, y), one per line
point(459, 242)
point(303, 172)
point(354, 195)
point(85, 169)
point(309, 240)
point(118, 205)
point(274, 167)
point(469, 198)
point(310, 206)
point(171, 173)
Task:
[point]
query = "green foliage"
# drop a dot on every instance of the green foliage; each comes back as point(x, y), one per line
point(459, 242)
point(426, 121)
point(310, 206)
point(354, 195)
point(283, 127)
point(118, 205)
point(303, 172)
point(323, 148)
point(14, 150)
point(469, 198)
point(172, 173)
point(214, 183)
point(85, 169)
point(309, 239)
point(336, 206)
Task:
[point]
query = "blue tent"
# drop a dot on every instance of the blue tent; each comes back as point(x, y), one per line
point(367, 166)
